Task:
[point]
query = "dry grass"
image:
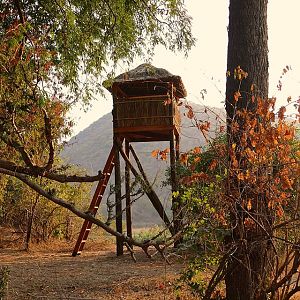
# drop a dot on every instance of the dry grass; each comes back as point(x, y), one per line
point(49, 272)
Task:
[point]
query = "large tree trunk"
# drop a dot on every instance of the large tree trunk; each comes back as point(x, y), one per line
point(247, 48)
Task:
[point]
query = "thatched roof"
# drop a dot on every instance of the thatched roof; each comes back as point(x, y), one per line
point(145, 73)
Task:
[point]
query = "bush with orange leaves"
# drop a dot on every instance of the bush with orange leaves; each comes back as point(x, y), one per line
point(253, 178)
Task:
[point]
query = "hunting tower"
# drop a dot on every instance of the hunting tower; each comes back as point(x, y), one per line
point(145, 109)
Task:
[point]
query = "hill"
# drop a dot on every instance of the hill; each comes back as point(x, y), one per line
point(90, 148)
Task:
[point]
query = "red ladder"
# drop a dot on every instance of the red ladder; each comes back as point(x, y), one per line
point(98, 195)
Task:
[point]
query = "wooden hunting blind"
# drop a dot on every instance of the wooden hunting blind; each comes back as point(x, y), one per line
point(145, 104)
point(145, 109)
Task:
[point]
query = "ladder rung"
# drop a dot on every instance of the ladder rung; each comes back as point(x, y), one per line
point(88, 229)
point(96, 207)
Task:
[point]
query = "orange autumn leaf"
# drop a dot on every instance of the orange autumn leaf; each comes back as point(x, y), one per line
point(184, 159)
point(213, 165)
point(204, 126)
point(289, 134)
point(249, 223)
point(197, 150)
point(163, 154)
point(240, 176)
point(167, 150)
point(235, 126)
point(286, 182)
point(253, 143)
point(281, 112)
point(190, 114)
point(236, 96)
point(235, 163)
point(249, 204)
point(197, 159)
point(279, 211)
point(154, 153)
point(196, 177)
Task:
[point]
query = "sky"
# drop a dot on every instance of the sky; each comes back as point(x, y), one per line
point(205, 66)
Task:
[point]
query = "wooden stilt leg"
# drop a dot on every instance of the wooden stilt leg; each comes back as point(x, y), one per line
point(127, 191)
point(174, 153)
point(177, 142)
point(118, 201)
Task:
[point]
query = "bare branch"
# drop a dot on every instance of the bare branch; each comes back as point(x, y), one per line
point(131, 251)
point(87, 216)
point(36, 171)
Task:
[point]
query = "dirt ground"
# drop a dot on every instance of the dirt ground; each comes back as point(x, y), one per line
point(50, 272)
point(96, 274)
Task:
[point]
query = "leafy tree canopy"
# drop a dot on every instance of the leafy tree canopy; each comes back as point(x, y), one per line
point(53, 54)
point(83, 37)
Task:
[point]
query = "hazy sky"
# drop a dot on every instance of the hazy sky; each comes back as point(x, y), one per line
point(205, 67)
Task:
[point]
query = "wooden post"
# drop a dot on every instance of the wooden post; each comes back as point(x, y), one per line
point(174, 154)
point(173, 164)
point(118, 199)
point(177, 141)
point(127, 193)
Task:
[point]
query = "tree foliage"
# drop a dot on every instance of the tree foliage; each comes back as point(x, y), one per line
point(77, 40)
point(244, 200)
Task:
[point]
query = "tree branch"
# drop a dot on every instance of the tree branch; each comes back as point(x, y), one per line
point(6, 166)
point(18, 147)
point(18, 6)
point(79, 213)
